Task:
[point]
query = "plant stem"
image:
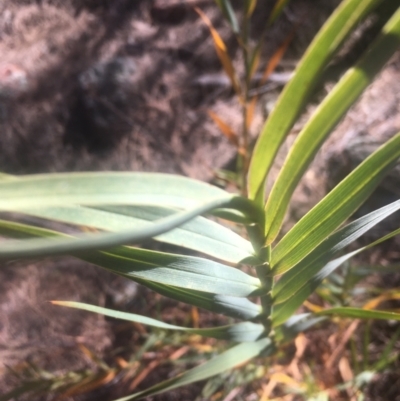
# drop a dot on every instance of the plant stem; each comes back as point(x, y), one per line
point(243, 154)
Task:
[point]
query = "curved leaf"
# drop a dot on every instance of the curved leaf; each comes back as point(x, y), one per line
point(297, 91)
point(285, 310)
point(105, 188)
point(327, 115)
point(240, 332)
point(298, 276)
point(176, 270)
point(65, 245)
point(229, 14)
point(335, 208)
point(199, 234)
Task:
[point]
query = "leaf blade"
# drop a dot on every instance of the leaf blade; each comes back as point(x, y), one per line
point(335, 208)
point(283, 311)
point(240, 332)
point(298, 276)
point(296, 92)
point(323, 121)
point(358, 313)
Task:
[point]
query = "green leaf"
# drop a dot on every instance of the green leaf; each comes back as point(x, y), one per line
point(227, 360)
point(358, 313)
point(297, 91)
point(176, 270)
point(298, 276)
point(327, 115)
point(285, 310)
point(238, 308)
point(335, 208)
point(199, 234)
point(277, 10)
point(240, 332)
point(105, 188)
point(229, 14)
point(27, 193)
point(294, 325)
point(68, 245)
point(249, 7)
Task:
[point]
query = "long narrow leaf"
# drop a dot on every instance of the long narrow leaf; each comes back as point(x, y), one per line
point(328, 114)
point(68, 245)
point(240, 332)
point(199, 234)
point(238, 308)
point(335, 208)
point(105, 188)
point(228, 360)
point(277, 10)
point(229, 14)
point(286, 309)
point(358, 313)
point(176, 270)
point(27, 193)
point(296, 93)
point(222, 51)
point(298, 276)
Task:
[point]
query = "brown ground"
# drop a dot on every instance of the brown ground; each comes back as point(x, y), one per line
point(126, 85)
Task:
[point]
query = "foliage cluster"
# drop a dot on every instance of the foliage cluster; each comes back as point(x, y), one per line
point(134, 207)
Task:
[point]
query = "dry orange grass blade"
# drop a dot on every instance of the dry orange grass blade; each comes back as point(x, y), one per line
point(179, 353)
point(195, 317)
point(222, 52)
point(143, 374)
point(251, 107)
point(387, 296)
point(312, 307)
point(224, 128)
point(277, 57)
point(90, 384)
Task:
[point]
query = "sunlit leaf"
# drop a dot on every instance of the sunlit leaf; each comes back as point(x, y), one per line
point(335, 208)
point(321, 123)
point(199, 234)
point(296, 93)
point(294, 279)
point(285, 310)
